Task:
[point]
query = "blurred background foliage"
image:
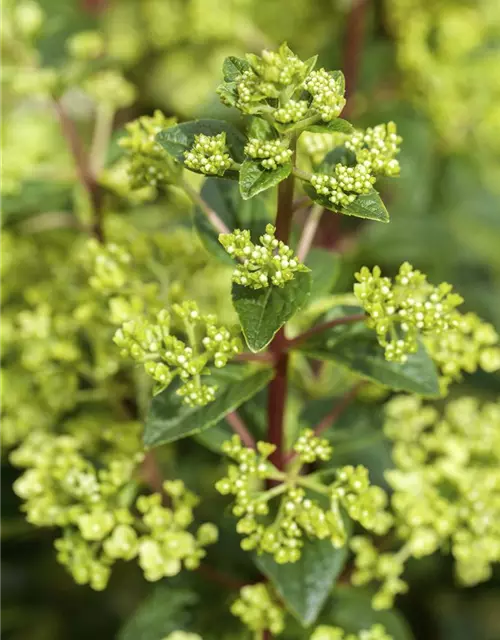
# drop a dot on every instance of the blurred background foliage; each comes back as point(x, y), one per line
point(432, 66)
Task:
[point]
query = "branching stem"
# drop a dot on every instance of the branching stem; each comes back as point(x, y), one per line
point(83, 169)
point(197, 200)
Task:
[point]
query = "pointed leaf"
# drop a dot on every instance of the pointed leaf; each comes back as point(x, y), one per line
point(254, 178)
point(223, 196)
point(170, 419)
point(367, 205)
point(350, 608)
point(338, 125)
point(355, 347)
point(176, 140)
point(262, 312)
point(325, 270)
point(233, 67)
point(306, 584)
point(163, 611)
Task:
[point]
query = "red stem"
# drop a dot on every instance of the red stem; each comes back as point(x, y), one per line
point(277, 390)
point(240, 428)
point(333, 416)
point(320, 328)
point(353, 48)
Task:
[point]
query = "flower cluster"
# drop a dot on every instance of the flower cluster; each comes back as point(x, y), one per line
point(400, 312)
point(271, 262)
point(265, 77)
point(110, 266)
point(298, 514)
point(280, 85)
point(469, 345)
point(311, 448)
point(446, 492)
point(292, 111)
point(182, 635)
point(149, 165)
point(271, 154)
point(166, 356)
point(376, 149)
point(345, 185)
point(94, 507)
point(327, 92)
point(384, 568)
point(375, 632)
point(447, 481)
point(209, 155)
point(258, 610)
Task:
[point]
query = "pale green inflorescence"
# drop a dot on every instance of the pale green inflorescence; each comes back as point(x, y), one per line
point(377, 148)
point(411, 307)
point(271, 154)
point(325, 632)
point(182, 635)
point(148, 164)
point(258, 610)
point(209, 155)
point(345, 186)
point(298, 515)
point(100, 514)
point(446, 488)
point(327, 92)
point(166, 356)
point(375, 152)
point(271, 262)
point(401, 311)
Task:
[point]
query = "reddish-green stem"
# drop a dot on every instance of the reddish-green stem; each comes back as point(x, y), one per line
point(277, 391)
point(320, 328)
point(332, 416)
point(239, 427)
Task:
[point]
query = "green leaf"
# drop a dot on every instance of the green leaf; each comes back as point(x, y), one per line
point(338, 125)
point(223, 196)
point(369, 206)
point(339, 155)
point(325, 270)
point(164, 611)
point(305, 585)
point(350, 608)
point(254, 178)
point(170, 419)
point(176, 140)
point(262, 312)
point(233, 67)
point(355, 347)
point(261, 129)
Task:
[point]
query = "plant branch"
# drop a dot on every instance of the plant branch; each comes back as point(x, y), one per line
point(331, 417)
point(212, 216)
point(309, 231)
point(152, 474)
point(353, 48)
point(239, 427)
point(265, 357)
point(277, 391)
point(85, 175)
point(356, 317)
